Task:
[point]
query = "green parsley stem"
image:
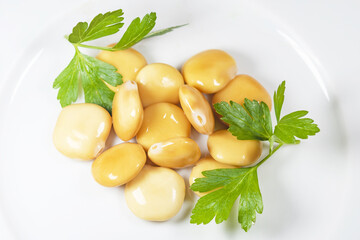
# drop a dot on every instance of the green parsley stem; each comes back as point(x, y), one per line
point(95, 47)
point(269, 155)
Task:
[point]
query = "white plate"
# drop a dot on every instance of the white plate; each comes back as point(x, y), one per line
point(309, 191)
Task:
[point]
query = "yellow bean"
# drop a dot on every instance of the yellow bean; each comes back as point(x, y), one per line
point(162, 121)
point(226, 148)
point(159, 82)
point(81, 131)
point(175, 153)
point(241, 87)
point(197, 109)
point(127, 111)
point(119, 164)
point(156, 194)
point(209, 71)
point(128, 62)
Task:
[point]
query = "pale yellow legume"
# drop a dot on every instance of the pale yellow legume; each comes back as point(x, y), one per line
point(197, 109)
point(241, 87)
point(226, 148)
point(127, 111)
point(209, 71)
point(156, 194)
point(159, 82)
point(81, 130)
point(175, 153)
point(162, 121)
point(119, 164)
point(128, 62)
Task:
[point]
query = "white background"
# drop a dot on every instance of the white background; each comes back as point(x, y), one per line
point(330, 30)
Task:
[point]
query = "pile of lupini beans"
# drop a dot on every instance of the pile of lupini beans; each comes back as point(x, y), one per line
point(158, 105)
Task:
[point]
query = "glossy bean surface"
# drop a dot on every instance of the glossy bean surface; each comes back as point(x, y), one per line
point(241, 87)
point(226, 148)
point(197, 109)
point(175, 153)
point(159, 82)
point(81, 130)
point(127, 111)
point(209, 71)
point(119, 164)
point(128, 62)
point(162, 121)
point(156, 194)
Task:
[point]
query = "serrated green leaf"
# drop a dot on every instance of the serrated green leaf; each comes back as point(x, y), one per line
point(279, 97)
point(162, 31)
point(250, 202)
point(218, 204)
point(68, 83)
point(95, 90)
point(294, 125)
point(214, 179)
point(102, 25)
point(260, 114)
point(105, 71)
point(136, 31)
point(77, 32)
point(91, 72)
point(251, 122)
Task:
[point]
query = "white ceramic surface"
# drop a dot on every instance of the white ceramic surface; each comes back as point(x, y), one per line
point(310, 191)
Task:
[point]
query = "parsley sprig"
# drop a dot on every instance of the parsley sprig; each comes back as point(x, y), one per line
point(90, 74)
point(251, 121)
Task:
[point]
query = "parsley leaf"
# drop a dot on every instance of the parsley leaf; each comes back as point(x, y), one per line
point(162, 31)
point(241, 182)
point(68, 82)
point(91, 73)
point(294, 125)
point(279, 100)
point(251, 122)
point(136, 31)
point(102, 25)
